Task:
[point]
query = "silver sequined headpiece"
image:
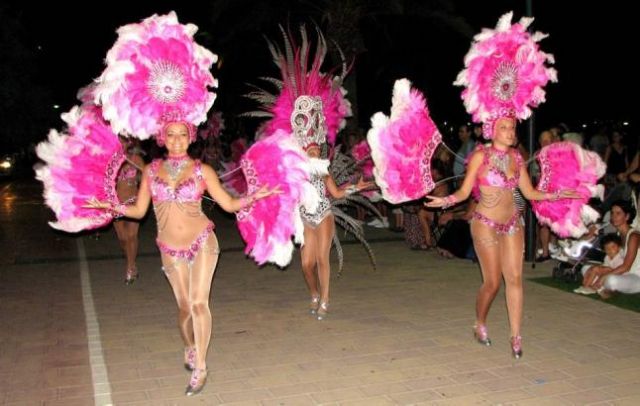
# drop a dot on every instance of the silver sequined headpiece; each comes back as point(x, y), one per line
point(307, 121)
point(166, 82)
point(505, 81)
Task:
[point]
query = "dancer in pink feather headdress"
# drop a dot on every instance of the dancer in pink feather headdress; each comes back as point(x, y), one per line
point(311, 106)
point(504, 76)
point(127, 189)
point(156, 84)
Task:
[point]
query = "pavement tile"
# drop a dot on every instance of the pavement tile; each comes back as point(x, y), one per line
point(296, 389)
point(373, 401)
point(624, 390)
point(384, 389)
point(588, 397)
point(414, 397)
point(245, 395)
point(505, 396)
point(551, 388)
point(300, 400)
point(337, 395)
point(628, 401)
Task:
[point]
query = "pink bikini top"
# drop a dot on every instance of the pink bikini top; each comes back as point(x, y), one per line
point(189, 190)
point(490, 175)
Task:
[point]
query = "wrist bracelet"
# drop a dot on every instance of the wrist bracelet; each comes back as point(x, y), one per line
point(553, 196)
point(449, 201)
point(119, 210)
point(247, 201)
point(351, 190)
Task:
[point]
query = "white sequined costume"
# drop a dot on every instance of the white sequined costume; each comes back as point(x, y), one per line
point(324, 207)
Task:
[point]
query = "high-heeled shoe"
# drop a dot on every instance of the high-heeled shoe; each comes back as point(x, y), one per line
point(323, 310)
point(481, 335)
point(131, 276)
point(516, 347)
point(196, 382)
point(313, 304)
point(189, 358)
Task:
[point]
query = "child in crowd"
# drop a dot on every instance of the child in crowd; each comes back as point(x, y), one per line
point(612, 246)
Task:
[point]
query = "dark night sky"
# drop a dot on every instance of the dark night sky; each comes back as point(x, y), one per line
point(592, 47)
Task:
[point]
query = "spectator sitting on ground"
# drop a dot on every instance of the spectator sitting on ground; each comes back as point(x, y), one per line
point(626, 277)
point(612, 246)
point(456, 239)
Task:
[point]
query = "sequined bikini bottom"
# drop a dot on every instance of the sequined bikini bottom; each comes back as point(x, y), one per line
point(508, 228)
point(187, 254)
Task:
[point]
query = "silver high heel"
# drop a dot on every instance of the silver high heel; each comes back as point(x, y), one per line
point(516, 347)
point(313, 305)
point(481, 335)
point(323, 310)
point(131, 276)
point(189, 358)
point(196, 382)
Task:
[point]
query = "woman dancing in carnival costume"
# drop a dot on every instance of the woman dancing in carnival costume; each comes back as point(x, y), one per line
point(311, 106)
point(127, 185)
point(155, 84)
point(504, 77)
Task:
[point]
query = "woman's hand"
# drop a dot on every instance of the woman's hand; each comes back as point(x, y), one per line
point(436, 201)
point(94, 203)
point(569, 194)
point(264, 191)
point(362, 185)
point(595, 276)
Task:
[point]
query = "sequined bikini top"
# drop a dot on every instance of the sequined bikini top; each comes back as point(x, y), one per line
point(188, 190)
point(494, 165)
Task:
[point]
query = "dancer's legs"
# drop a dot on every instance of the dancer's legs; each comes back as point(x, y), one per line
point(511, 257)
point(324, 238)
point(191, 285)
point(131, 249)
point(121, 231)
point(485, 242)
point(308, 256)
point(178, 276)
point(202, 271)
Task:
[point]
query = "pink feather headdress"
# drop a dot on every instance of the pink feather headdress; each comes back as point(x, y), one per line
point(156, 73)
point(505, 73)
point(299, 78)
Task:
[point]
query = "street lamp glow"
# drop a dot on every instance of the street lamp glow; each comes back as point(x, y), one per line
point(56, 106)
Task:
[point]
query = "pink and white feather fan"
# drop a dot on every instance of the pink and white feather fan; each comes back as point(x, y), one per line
point(402, 146)
point(567, 166)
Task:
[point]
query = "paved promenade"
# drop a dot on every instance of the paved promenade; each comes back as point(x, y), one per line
point(71, 333)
